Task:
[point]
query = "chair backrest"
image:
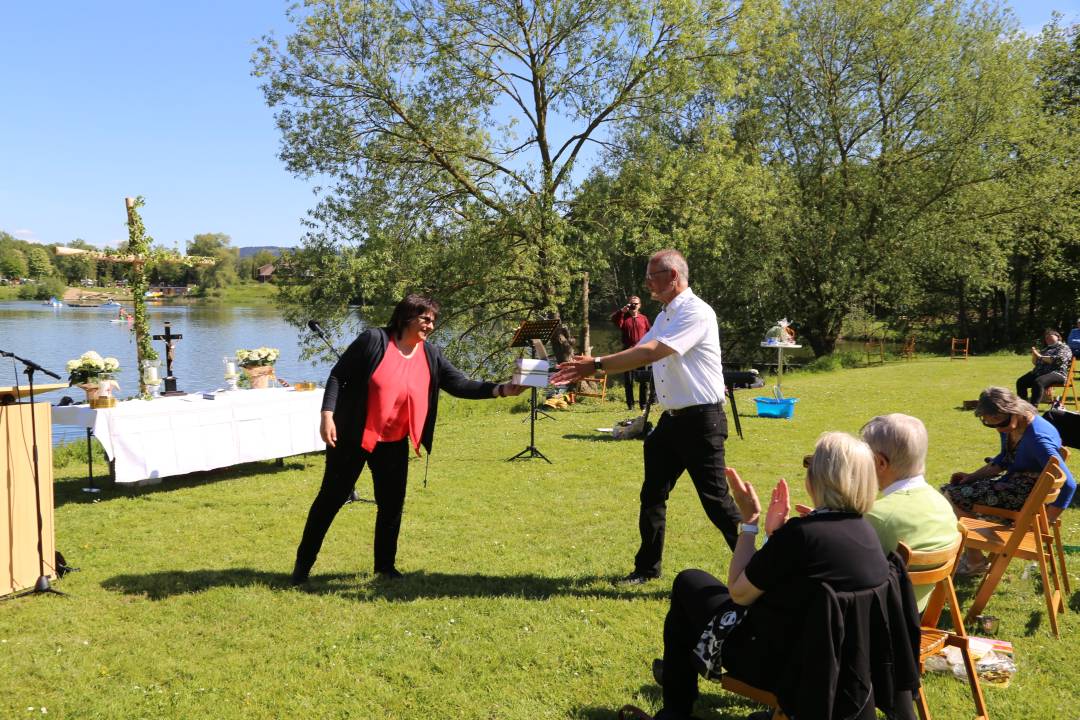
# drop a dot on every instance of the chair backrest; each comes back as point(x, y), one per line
point(959, 347)
point(1032, 516)
point(935, 567)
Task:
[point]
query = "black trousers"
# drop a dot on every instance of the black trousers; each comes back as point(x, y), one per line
point(1037, 384)
point(696, 596)
point(693, 442)
point(642, 391)
point(389, 463)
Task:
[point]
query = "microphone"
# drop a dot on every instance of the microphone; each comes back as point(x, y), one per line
point(316, 328)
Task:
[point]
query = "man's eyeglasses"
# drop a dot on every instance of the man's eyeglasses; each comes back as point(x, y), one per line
point(651, 275)
point(997, 425)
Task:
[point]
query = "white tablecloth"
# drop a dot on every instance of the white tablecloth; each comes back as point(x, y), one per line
point(177, 435)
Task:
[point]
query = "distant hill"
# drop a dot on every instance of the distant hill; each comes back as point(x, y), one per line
point(246, 252)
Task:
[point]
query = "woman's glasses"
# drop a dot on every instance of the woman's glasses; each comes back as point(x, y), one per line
point(997, 425)
point(425, 320)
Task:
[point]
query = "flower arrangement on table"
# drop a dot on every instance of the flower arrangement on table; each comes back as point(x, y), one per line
point(94, 374)
point(258, 364)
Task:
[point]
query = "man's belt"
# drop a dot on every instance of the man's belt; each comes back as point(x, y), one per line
point(695, 409)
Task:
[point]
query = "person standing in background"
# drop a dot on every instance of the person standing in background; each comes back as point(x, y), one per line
point(633, 326)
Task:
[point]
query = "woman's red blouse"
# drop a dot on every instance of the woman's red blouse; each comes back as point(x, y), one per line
point(397, 401)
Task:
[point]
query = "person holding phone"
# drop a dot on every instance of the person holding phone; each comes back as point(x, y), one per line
point(633, 325)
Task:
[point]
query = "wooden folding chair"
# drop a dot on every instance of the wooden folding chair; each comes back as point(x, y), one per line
point(908, 353)
point(936, 568)
point(1027, 538)
point(875, 350)
point(1055, 525)
point(959, 349)
point(763, 697)
point(599, 380)
point(1069, 387)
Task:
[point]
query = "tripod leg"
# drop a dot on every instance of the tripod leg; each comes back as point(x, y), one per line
point(91, 488)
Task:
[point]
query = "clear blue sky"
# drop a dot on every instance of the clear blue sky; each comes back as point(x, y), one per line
point(156, 98)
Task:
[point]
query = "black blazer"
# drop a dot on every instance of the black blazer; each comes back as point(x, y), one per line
point(346, 391)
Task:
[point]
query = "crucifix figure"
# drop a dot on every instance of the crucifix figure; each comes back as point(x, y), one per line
point(170, 345)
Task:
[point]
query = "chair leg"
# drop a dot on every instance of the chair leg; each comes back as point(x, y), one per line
point(1051, 589)
point(972, 674)
point(921, 706)
point(1061, 556)
point(986, 589)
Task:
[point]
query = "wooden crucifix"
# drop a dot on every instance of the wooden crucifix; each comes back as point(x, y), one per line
point(170, 348)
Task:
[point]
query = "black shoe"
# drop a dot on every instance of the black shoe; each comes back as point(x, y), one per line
point(658, 671)
point(299, 576)
point(635, 578)
point(389, 574)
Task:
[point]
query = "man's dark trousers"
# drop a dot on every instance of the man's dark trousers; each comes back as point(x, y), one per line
point(692, 441)
point(389, 464)
point(643, 390)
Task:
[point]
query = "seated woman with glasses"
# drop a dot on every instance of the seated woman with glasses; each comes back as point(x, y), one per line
point(1005, 481)
point(381, 397)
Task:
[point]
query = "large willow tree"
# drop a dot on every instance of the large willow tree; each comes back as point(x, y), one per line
point(454, 132)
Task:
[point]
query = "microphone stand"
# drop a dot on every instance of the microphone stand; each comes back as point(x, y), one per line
point(316, 328)
point(42, 585)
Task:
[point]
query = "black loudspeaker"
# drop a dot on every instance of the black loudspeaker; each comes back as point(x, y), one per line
point(1067, 423)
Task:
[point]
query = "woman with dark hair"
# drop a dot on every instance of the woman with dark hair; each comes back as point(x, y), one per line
point(1005, 481)
point(382, 394)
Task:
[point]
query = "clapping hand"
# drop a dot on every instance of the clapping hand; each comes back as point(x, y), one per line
point(744, 495)
point(779, 507)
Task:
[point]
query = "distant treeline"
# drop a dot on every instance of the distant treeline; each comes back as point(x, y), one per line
point(21, 260)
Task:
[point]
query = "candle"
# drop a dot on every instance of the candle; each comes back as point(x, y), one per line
point(230, 369)
point(152, 376)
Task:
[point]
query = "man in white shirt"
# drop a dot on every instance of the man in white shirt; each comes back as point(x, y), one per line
point(683, 348)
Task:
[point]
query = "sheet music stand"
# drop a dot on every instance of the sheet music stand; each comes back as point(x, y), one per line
point(530, 330)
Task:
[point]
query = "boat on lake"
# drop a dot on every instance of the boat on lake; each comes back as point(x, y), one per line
point(53, 302)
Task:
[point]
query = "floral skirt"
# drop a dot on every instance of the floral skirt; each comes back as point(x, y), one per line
point(1008, 492)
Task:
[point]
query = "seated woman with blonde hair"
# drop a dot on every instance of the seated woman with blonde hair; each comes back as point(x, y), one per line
point(753, 625)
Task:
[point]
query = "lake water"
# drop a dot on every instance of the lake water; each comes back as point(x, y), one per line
point(52, 336)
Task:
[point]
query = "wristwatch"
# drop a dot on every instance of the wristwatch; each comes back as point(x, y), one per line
point(598, 362)
point(751, 528)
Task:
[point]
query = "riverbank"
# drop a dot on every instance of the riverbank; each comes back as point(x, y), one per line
point(182, 607)
point(245, 293)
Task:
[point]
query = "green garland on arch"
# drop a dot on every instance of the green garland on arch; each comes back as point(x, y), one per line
point(139, 246)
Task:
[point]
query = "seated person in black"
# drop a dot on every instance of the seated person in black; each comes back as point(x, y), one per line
point(757, 619)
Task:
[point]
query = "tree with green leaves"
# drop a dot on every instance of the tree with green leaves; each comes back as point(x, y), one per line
point(13, 262)
point(38, 263)
point(455, 132)
point(220, 274)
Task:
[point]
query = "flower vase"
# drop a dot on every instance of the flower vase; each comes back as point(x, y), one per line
point(260, 376)
point(91, 390)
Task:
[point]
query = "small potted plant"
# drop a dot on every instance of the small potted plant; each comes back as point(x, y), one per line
point(258, 364)
point(94, 374)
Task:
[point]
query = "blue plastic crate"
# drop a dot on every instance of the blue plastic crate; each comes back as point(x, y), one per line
point(770, 407)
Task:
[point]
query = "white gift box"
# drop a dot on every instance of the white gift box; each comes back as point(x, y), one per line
point(533, 373)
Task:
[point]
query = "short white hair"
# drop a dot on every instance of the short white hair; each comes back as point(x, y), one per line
point(672, 259)
point(901, 439)
point(841, 474)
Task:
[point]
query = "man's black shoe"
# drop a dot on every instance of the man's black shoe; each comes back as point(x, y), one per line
point(389, 574)
point(635, 578)
point(298, 577)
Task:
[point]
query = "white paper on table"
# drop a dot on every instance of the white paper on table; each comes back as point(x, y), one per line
point(533, 373)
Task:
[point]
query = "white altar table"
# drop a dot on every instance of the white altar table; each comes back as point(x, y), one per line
point(176, 435)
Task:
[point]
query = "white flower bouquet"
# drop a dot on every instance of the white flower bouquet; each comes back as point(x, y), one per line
point(257, 357)
point(90, 367)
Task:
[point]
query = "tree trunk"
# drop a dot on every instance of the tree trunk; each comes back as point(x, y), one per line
point(586, 342)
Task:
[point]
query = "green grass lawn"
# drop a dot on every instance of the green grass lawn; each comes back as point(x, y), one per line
point(182, 607)
point(247, 292)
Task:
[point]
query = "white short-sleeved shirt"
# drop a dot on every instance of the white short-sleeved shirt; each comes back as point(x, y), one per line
point(692, 375)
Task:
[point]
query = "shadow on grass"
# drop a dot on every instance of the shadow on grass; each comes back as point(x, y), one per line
point(365, 587)
point(595, 437)
point(722, 705)
point(70, 490)
point(1034, 623)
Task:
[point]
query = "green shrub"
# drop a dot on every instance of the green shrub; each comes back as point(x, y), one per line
point(47, 288)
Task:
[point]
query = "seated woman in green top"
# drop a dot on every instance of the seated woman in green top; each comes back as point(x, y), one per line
point(907, 509)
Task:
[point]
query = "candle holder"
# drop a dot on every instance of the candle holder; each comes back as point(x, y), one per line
point(151, 375)
point(231, 376)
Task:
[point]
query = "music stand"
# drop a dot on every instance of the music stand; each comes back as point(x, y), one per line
point(542, 330)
